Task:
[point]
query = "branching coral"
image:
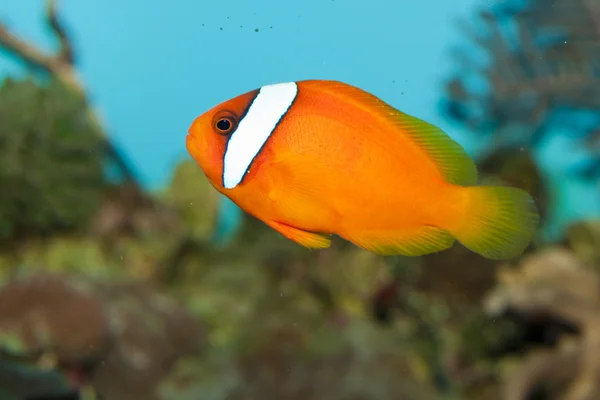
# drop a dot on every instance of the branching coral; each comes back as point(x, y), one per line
point(539, 68)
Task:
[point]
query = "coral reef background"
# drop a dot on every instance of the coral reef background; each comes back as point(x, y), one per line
point(109, 290)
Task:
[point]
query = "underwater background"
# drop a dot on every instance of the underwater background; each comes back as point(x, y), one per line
point(124, 275)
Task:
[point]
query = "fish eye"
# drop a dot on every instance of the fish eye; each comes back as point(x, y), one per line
point(225, 123)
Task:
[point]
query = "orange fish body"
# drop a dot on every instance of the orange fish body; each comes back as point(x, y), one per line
point(313, 158)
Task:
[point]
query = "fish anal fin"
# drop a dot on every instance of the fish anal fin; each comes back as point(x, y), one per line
point(452, 161)
point(407, 241)
point(307, 239)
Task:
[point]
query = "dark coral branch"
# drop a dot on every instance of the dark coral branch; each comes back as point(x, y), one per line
point(65, 54)
point(26, 52)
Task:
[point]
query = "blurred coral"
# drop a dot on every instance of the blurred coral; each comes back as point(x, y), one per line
point(116, 292)
point(119, 338)
point(583, 237)
point(48, 158)
point(192, 196)
point(538, 70)
point(18, 382)
point(554, 285)
point(60, 66)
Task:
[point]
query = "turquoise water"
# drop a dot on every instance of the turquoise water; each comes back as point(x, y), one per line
point(152, 68)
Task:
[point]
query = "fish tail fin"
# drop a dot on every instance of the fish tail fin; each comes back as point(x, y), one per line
point(496, 222)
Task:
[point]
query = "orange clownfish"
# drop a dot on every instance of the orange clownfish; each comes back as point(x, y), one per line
point(314, 158)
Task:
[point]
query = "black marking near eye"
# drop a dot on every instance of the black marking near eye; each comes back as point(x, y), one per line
point(241, 118)
point(224, 124)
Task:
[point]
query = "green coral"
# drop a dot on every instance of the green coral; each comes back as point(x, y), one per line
point(51, 159)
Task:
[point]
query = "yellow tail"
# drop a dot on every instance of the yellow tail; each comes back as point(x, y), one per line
point(497, 222)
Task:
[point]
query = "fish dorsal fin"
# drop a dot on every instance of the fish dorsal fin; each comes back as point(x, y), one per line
point(451, 159)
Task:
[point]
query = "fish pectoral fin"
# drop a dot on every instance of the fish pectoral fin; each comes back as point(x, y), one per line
point(298, 188)
point(301, 175)
point(407, 241)
point(305, 238)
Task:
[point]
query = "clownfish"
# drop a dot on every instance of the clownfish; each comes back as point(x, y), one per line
point(315, 158)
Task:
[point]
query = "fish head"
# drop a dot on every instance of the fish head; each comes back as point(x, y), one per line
point(209, 134)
